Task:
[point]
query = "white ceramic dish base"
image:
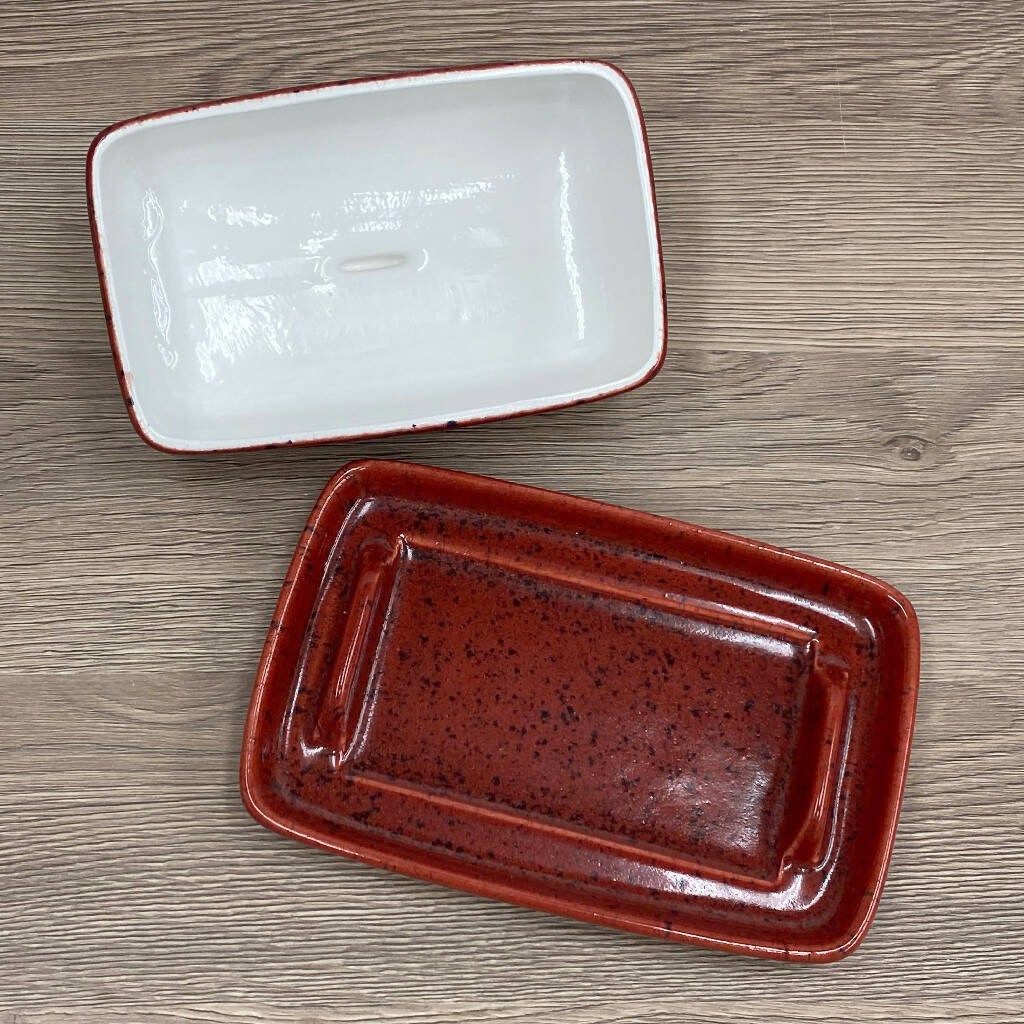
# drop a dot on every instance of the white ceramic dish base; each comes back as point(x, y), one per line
point(380, 256)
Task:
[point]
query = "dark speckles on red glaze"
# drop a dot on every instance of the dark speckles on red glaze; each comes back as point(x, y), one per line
point(587, 710)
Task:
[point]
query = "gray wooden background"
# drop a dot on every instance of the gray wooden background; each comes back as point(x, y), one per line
point(842, 204)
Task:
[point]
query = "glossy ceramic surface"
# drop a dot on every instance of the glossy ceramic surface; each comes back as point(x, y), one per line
point(588, 710)
point(379, 256)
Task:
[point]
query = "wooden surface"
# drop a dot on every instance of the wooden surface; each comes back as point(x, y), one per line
point(840, 189)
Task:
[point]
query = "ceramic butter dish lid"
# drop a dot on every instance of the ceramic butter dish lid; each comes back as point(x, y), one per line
point(379, 256)
point(587, 710)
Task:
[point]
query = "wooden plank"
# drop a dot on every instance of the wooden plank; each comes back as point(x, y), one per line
point(668, 1010)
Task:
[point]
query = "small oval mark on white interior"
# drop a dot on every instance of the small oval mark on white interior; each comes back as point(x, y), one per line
point(382, 261)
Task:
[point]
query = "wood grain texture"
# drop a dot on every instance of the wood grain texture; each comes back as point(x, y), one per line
point(840, 190)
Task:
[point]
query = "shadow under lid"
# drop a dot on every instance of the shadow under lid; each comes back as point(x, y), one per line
point(588, 710)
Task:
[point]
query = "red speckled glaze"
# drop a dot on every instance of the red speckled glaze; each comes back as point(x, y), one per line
point(588, 710)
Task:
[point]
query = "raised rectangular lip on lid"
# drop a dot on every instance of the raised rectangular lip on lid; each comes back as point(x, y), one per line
point(304, 94)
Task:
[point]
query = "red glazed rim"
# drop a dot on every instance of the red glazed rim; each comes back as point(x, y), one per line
point(907, 622)
point(115, 345)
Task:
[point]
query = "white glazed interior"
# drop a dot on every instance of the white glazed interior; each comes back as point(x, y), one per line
point(364, 258)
